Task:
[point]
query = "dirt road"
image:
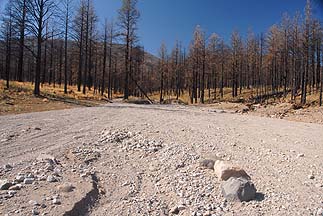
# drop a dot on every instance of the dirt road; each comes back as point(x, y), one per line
point(144, 160)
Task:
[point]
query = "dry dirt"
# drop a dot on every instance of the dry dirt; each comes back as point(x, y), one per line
point(122, 159)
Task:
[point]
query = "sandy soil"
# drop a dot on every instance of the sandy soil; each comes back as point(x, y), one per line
point(144, 160)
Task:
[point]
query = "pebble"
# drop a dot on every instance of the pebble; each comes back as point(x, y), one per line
point(174, 210)
point(12, 192)
point(16, 187)
point(5, 184)
point(56, 201)
point(7, 167)
point(35, 212)
point(66, 188)
point(311, 177)
point(29, 180)
point(300, 155)
point(319, 212)
point(33, 203)
point(51, 179)
point(20, 178)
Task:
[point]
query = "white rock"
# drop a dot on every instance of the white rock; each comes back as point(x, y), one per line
point(12, 192)
point(29, 180)
point(16, 187)
point(20, 178)
point(35, 212)
point(66, 188)
point(33, 203)
point(319, 212)
point(224, 170)
point(56, 201)
point(51, 179)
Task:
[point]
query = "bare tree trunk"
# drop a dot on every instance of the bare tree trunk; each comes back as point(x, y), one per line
point(22, 41)
point(110, 64)
point(8, 48)
point(80, 69)
point(203, 76)
point(105, 42)
point(38, 59)
point(67, 15)
point(86, 67)
point(51, 59)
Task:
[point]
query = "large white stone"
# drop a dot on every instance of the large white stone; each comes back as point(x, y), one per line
point(224, 170)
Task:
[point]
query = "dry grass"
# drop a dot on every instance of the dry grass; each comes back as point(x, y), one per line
point(20, 99)
point(245, 97)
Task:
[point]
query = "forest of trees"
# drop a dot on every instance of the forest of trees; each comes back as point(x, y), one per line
point(65, 43)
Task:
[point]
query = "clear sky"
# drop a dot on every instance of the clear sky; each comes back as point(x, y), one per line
point(171, 20)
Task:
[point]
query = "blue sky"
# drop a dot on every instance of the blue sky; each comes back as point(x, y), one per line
point(171, 20)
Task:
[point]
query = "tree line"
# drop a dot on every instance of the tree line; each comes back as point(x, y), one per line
point(286, 61)
point(65, 43)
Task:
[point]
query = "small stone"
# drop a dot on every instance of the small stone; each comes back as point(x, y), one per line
point(56, 201)
point(33, 203)
point(83, 175)
point(207, 163)
point(319, 212)
point(30, 175)
point(66, 188)
point(57, 171)
point(47, 158)
point(12, 193)
point(318, 185)
point(238, 189)
point(51, 179)
point(29, 180)
point(7, 167)
point(35, 212)
point(181, 207)
point(16, 187)
point(174, 210)
point(5, 184)
point(311, 177)
point(20, 178)
point(300, 155)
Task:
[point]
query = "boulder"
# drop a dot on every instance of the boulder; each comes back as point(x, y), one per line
point(238, 189)
point(224, 171)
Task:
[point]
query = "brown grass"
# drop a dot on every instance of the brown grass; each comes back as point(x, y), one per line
point(20, 99)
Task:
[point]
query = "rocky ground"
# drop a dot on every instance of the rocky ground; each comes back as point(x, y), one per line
point(123, 159)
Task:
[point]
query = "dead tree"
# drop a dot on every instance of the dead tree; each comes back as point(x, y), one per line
point(40, 12)
point(128, 20)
